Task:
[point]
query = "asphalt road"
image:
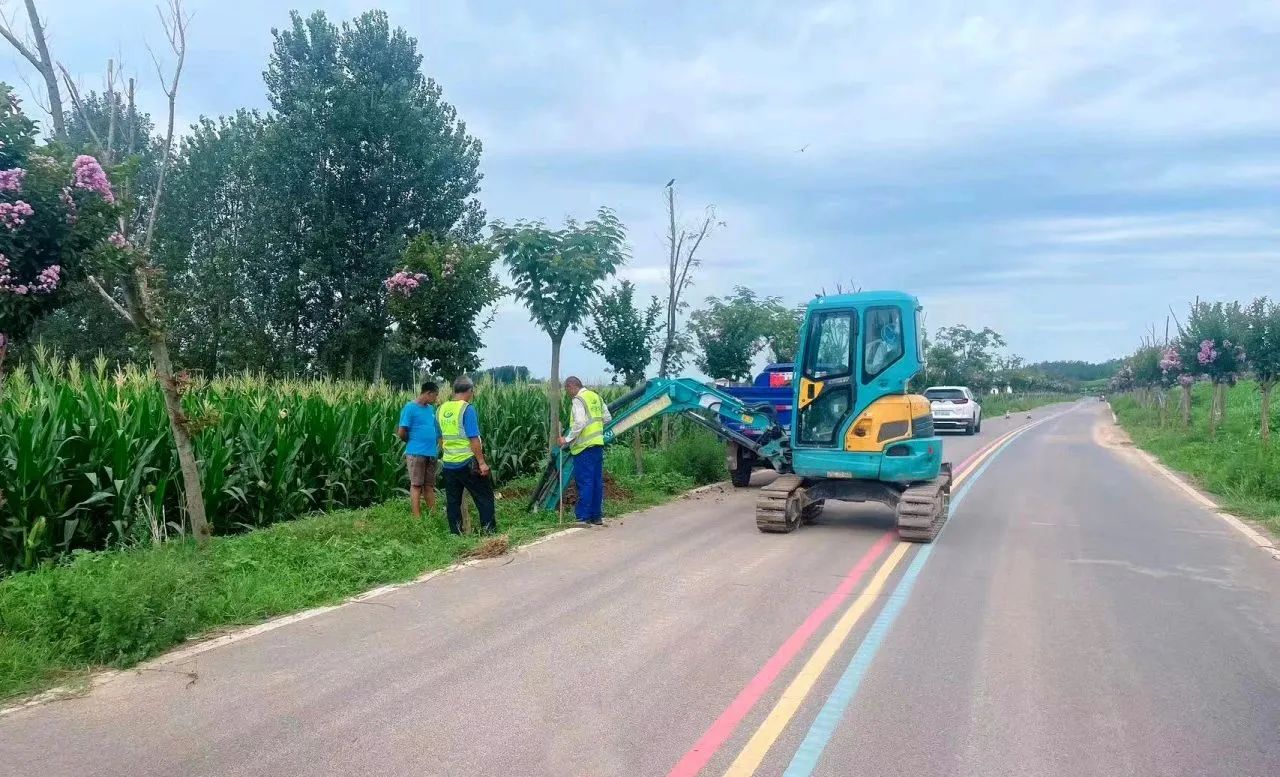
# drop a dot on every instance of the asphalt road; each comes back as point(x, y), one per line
point(1078, 616)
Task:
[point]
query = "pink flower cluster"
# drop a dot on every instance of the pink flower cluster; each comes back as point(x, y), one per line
point(451, 260)
point(402, 284)
point(118, 240)
point(1207, 354)
point(1186, 380)
point(90, 175)
point(46, 282)
point(15, 214)
point(11, 180)
point(1170, 361)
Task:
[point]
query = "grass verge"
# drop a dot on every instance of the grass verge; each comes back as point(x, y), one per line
point(1000, 404)
point(116, 608)
point(1234, 465)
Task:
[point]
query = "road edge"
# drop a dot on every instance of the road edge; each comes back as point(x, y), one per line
point(203, 643)
point(1258, 537)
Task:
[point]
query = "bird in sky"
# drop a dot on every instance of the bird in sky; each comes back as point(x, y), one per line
point(802, 148)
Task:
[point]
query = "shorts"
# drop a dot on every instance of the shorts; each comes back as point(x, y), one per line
point(422, 470)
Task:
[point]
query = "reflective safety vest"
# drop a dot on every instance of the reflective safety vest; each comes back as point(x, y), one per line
point(593, 433)
point(457, 448)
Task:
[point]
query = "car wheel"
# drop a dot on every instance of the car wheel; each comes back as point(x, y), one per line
point(969, 428)
point(978, 428)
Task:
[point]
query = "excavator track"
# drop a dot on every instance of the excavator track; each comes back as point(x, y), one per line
point(923, 509)
point(778, 507)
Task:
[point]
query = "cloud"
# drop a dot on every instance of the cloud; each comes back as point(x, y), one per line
point(1005, 161)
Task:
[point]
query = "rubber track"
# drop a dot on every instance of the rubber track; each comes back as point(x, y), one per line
point(771, 505)
point(923, 509)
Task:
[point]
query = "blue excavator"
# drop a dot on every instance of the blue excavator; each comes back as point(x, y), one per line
point(856, 435)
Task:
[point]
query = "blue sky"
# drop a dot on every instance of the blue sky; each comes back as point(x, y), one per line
point(1061, 172)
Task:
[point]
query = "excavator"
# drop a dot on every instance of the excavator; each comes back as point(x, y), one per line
point(856, 435)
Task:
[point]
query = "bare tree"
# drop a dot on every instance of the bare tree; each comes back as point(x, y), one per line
point(40, 60)
point(682, 260)
point(141, 303)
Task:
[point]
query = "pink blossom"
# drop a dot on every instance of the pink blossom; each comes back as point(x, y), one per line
point(1186, 380)
point(1170, 361)
point(11, 180)
point(1207, 354)
point(46, 282)
point(403, 283)
point(88, 174)
point(15, 214)
point(118, 240)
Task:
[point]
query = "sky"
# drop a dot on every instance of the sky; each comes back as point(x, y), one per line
point(1061, 172)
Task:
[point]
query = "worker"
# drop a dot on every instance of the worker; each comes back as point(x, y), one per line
point(586, 443)
point(421, 435)
point(465, 467)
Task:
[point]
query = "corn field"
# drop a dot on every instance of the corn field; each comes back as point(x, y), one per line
point(87, 460)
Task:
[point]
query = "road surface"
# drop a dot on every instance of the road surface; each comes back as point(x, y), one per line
point(1078, 616)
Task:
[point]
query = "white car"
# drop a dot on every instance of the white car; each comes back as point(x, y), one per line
point(954, 407)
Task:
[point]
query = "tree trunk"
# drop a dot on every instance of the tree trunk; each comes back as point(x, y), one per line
point(553, 396)
point(47, 72)
point(1215, 408)
point(1186, 407)
point(1266, 411)
point(346, 370)
point(377, 360)
point(1162, 398)
point(193, 492)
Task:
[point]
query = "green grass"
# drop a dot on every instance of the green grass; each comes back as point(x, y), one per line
point(115, 608)
point(993, 406)
point(1234, 465)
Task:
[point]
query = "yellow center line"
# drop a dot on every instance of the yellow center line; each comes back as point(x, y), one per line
point(758, 746)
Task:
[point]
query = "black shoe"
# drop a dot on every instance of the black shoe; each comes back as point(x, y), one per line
point(597, 522)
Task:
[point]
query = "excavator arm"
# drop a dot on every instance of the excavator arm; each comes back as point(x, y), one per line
point(700, 403)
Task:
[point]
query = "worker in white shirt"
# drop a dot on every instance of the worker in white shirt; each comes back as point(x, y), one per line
point(586, 442)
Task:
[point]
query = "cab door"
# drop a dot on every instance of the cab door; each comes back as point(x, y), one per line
point(825, 393)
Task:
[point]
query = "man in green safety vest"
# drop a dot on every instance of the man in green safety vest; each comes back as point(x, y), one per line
point(586, 443)
point(463, 458)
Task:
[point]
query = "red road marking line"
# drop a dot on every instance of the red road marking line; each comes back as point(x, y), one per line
point(719, 732)
point(724, 726)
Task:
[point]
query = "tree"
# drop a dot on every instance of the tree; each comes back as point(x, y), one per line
point(55, 217)
point(626, 337)
point(732, 331)
point(42, 61)
point(366, 155)
point(436, 300)
point(1262, 344)
point(682, 259)
point(783, 333)
point(962, 356)
point(1210, 343)
point(133, 271)
point(508, 373)
point(624, 334)
point(557, 275)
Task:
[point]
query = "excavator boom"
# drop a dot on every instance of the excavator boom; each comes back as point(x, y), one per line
point(704, 405)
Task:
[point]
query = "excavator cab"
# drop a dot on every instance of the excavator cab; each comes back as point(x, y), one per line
point(854, 418)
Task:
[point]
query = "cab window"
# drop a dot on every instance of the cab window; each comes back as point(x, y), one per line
point(884, 344)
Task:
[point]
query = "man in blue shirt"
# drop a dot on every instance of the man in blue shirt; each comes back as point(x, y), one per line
point(421, 434)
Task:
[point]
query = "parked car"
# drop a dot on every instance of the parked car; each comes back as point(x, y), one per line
point(771, 387)
point(954, 407)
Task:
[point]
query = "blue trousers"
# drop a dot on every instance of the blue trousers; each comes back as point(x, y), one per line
point(588, 475)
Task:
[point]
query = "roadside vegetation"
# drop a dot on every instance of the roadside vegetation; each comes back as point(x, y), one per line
point(1201, 400)
point(117, 607)
point(1233, 464)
